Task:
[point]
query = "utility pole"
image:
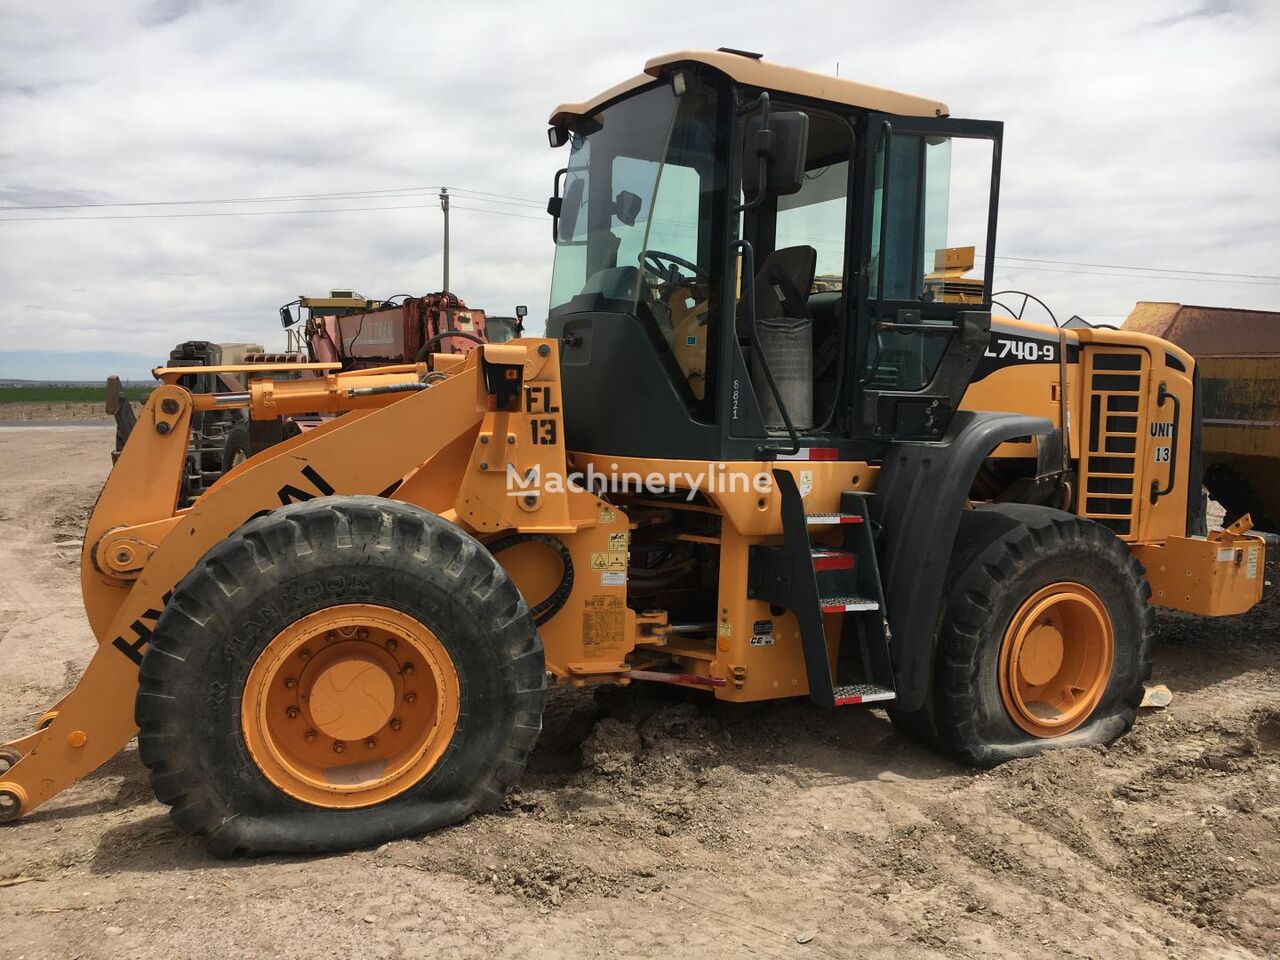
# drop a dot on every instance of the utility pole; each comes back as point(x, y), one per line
point(444, 205)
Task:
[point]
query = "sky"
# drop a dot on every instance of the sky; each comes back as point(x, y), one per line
point(1136, 135)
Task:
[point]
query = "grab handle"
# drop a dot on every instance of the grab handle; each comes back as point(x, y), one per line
point(1158, 491)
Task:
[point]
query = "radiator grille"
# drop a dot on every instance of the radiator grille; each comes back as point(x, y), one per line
point(1116, 381)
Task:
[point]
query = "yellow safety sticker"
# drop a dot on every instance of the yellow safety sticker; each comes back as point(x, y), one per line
point(618, 541)
point(725, 629)
point(608, 561)
point(608, 516)
point(602, 621)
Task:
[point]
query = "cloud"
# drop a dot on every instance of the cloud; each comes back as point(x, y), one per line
point(1143, 133)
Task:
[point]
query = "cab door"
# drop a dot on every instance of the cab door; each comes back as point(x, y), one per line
point(928, 215)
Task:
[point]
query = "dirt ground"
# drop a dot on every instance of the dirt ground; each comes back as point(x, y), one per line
point(649, 825)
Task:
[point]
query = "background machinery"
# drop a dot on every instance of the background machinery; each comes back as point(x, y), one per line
point(343, 331)
point(1237, 356)
point(859, 490)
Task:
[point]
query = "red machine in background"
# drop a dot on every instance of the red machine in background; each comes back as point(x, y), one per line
point(359, 333)
point(343, 328)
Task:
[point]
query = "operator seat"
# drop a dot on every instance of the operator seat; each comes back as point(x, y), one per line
point(782, 287)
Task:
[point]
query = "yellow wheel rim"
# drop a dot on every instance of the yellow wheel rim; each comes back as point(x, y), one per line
point(1055, 659)
point(350, 706)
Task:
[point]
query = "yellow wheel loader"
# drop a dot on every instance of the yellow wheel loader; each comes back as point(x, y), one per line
point(773, 445)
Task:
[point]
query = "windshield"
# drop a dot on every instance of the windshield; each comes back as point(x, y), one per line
point(637, 203)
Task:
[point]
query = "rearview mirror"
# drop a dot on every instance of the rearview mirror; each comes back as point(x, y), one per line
point(777, 143)
point(626, 207)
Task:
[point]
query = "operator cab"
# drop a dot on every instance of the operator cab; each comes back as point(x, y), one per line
point(755, 259)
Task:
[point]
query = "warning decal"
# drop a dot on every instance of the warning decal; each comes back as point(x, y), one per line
point(609, 561)
point(602, 621)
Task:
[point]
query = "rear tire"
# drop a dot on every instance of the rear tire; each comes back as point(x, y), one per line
point(1012, 560)
point(240, 775)
point(236, 448)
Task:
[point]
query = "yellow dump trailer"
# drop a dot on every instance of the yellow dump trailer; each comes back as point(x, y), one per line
point(1237, 353)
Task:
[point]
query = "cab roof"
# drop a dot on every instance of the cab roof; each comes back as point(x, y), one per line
point(756, 72)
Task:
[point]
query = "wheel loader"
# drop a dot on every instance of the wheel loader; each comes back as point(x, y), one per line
point(772, 445)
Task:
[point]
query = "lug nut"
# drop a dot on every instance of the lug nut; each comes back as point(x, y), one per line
point(371, 742)
point(305, 654)
point(309, 736)
point(395, 723)
point(290, 682)
point(331, 636)
point(410, 697)
point(292, 713)
point(391, 643)
point(362, 634)
point(407, 669)
point(338, 746)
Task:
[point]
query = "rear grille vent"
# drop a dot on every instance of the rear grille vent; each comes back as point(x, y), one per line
point(1117, 381)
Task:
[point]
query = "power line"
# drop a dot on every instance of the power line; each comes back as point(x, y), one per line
point(1116, 266)
point(502, 213)
point(264, 213)
point(482, 196)
point(1141, 276)
point(283, 198)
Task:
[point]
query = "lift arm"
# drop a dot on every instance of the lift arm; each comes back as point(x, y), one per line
point(138, 546)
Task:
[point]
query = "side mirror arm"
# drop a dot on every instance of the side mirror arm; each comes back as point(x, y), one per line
point(763, 149)
point(555, 202)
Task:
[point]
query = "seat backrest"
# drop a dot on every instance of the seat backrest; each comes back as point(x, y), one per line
point(782, 286)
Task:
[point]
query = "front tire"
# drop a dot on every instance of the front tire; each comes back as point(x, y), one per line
point(1045, 638)
point(336, 674)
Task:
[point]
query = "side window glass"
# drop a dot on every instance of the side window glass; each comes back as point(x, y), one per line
point(637, 177)
point(927, 243)
point(939, 196)
point(815, 217)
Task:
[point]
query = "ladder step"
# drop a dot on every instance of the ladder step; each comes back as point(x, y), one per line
point(825, 558)
point(823, 519)
point(848, 696)
point(847, 604)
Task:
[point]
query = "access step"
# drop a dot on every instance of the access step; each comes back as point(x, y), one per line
point(847, 604)
point(855, 693)
point(828, 519)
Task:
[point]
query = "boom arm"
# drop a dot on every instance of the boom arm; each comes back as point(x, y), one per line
point(137, 547)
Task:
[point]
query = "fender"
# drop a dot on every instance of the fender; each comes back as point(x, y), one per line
point(921, 491)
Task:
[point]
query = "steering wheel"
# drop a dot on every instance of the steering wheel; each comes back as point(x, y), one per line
point(665, 265)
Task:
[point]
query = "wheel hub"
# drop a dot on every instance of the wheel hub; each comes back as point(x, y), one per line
point(350, 705)
point(352, 699)
point(1055, 659)
point(1041, 656)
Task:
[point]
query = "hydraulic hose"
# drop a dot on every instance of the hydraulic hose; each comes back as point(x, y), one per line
point(544, 610)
